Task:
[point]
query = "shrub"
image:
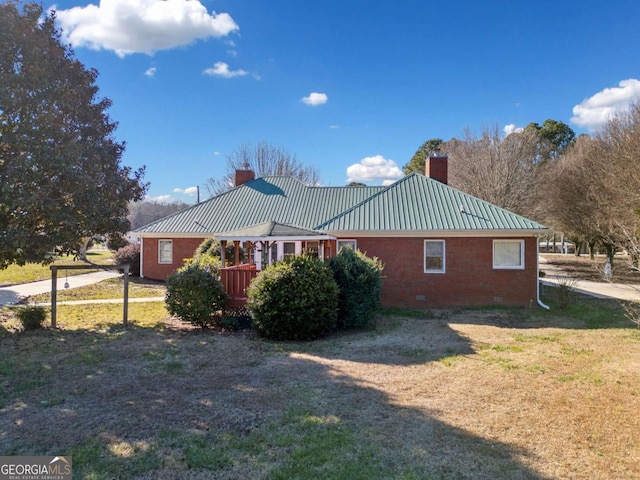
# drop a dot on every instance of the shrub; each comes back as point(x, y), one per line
point(295, 299)
point(32, 316)
point(129, 254)
point(210, 249)
point(195, 295)
point(359, 279)
point(565, 291)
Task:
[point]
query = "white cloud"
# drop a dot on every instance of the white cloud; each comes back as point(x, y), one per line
point(374, 169)
point(191, 191)
point(334, 127)
point(151, 71)
point(595, 111)
point(232, 52)
point(221, 69)
point(511, 128)
point(315, 99)
point(142, 26)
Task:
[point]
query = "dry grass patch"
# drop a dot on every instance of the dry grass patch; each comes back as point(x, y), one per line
point(461, 394)
point(584, 268)
point(107, 289)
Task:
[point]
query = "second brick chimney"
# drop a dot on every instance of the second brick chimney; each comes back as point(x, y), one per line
point(436, 166)
point(244, 176)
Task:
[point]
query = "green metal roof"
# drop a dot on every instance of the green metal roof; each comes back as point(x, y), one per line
point(418, 203)
point(274, 198)
point(414, 203)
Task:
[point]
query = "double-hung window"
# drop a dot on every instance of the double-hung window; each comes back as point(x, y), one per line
point(165, 251)
point(352, 244)
point(434, 256)
point(289, 249)
point(508, 254)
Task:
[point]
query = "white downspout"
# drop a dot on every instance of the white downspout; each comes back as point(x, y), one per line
point(543, 305)
point(142, 257)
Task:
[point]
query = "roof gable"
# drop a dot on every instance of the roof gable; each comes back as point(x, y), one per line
point(281, 199)
point(418, 203)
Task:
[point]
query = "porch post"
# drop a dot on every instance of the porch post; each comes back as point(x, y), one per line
point(223, 247)
point(249, 248)
point(236, 244)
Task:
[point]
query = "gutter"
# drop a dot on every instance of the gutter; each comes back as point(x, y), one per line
point(543, 305)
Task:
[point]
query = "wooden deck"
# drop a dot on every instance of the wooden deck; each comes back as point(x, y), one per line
point(236, 279)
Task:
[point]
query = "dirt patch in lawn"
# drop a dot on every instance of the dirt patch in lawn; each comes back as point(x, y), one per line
point(456, 394)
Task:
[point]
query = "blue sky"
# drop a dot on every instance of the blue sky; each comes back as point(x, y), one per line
point(352, 87)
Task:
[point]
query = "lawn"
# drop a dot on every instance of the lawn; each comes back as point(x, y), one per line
point(458, 393)
point(33, 272)
point(107, 289)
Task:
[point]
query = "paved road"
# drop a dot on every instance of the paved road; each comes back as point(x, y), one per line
point(12, 295)
point(604, 289)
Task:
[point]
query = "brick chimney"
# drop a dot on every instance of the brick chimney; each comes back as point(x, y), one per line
point(244, 176)
point(436, 166)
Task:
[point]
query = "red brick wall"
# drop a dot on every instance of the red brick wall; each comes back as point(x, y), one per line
point(182, 248)
point(469, 278)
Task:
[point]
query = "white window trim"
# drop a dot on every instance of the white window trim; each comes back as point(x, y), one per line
point(295, 250)
point(348, 241)
point(444, 256)
point(508, 267)
point(160, 252)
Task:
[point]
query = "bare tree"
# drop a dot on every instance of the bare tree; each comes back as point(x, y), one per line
point(575, 194)
point(594, 194)
point(264, 159)
point(502, 170)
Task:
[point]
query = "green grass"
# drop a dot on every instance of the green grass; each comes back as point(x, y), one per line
point(33, 272)
point(107, 289)
point(593, 312)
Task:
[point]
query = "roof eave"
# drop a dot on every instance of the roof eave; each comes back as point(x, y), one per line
point(439, 233)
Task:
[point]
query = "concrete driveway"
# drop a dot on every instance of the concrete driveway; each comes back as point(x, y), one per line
point(604, 289)
point(13, 294)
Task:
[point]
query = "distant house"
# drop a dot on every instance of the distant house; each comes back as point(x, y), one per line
point(439, 246)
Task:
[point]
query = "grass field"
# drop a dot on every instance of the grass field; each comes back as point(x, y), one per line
point(445, 394)
point(33, 272)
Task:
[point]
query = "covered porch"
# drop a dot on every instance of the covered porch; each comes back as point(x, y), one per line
point(265, 244)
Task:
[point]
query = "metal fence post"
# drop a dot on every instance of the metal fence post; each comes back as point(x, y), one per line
point(54, 286)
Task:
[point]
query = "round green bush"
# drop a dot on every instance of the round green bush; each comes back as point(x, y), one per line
point(359, 279)
point(32, 316)
point(209, 251)
point(194, 295)
point(295, 299)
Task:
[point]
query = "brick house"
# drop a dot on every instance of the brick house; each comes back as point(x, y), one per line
point(439, 246)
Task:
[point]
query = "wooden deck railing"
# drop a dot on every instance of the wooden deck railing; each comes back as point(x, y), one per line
point(236, 279)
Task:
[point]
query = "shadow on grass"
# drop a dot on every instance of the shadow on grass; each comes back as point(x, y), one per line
point(583, 312)
point(157, 402)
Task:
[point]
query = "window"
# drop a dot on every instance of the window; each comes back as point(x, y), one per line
point(508, 254)
point(434, 256)
point(352, 244)
point(313, 249)
point(165, 251)
point(289, 249)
